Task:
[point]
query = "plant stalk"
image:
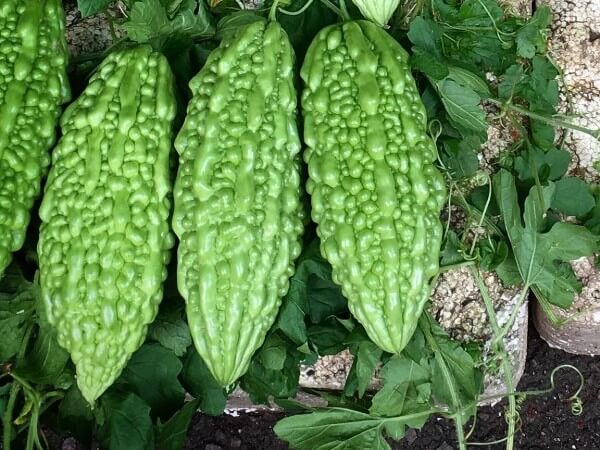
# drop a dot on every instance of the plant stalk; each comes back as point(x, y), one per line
point(457, 416)
point(501, 350)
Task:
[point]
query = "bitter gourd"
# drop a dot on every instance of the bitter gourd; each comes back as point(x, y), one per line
point(105, 238)
point(33, 86)
point(376, 195)
point(237, 197)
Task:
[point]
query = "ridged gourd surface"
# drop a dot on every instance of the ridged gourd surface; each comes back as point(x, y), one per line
point(33, 85)
point(237, 196)
point(376, 195)
point(105, 239)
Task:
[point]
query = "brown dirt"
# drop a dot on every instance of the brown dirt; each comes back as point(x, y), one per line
point(547, 422)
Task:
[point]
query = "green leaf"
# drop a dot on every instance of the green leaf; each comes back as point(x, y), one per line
point(452, 250)
point(461, 365)
point(573, 197)
point(538, 255)
point(127, 425)
point(171, 435)
point(75, 414)
point(262, 383)
point(310, 287)
point(427, 35)
point(149, 22)
point(332, 428)
point(470, 80)
point(366, 358)
point(532, 37)
point(199, 382)
point(405, 391)
point(429, 64)
point(329, 337)
point(91, 7)
point(460, 156)
point(152, 374)
point(16, 316)
point(508, 271)
point(325, 299)
point(145, 19)
point(511, 80)
point(463, 107)
point(272, 354)
point(553, 162)
point(170, 329)
point(492, 253)
point(592, 222)
point(45, 361)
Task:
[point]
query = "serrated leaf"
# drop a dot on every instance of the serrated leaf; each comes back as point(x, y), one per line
point(460, 156)
point(511, 80)
point(468, 79)
point(127, 425)
point(262, 383)
point(91, 7)
point(45, 361)
point(272, 354)
point(463, 106)
point(429, 64)
point(468, 380)
point(295, 305)
point(170, 330)
point(553, 161)
point(573, 197)
point(152, 374)
point(400, 394)
point(328, 337)
point(532, 37)
point(366, 359)
point(149, 22)
point(452, 250)
point(427, 35)
point(302, 28)
point(199, 382)
point(539, 255)
point(145, 18)
point(171, 435)
point(332, 428)
point(16, 316)
point(75, 414)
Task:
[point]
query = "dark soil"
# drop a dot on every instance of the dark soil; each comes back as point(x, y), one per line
point(547, 421)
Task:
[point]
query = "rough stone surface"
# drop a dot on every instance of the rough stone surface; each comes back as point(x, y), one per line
point(90, 34)
point(575, 45)
point(581, 332)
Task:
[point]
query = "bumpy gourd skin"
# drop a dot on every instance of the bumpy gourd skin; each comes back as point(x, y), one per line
point(376, 196)
point(237, 196)
point(33, 85)
point(105, 240)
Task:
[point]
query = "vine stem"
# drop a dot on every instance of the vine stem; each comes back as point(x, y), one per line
point(425, 324)
point(501, 349)
point(12, 396)
point(273, 11)
point(297, 12)
point(334, 8)
point(556, 122)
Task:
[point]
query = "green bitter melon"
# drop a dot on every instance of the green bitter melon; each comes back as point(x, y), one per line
point(237, 197)
point(105, 239)
point(376, 195)
point(33, 86)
